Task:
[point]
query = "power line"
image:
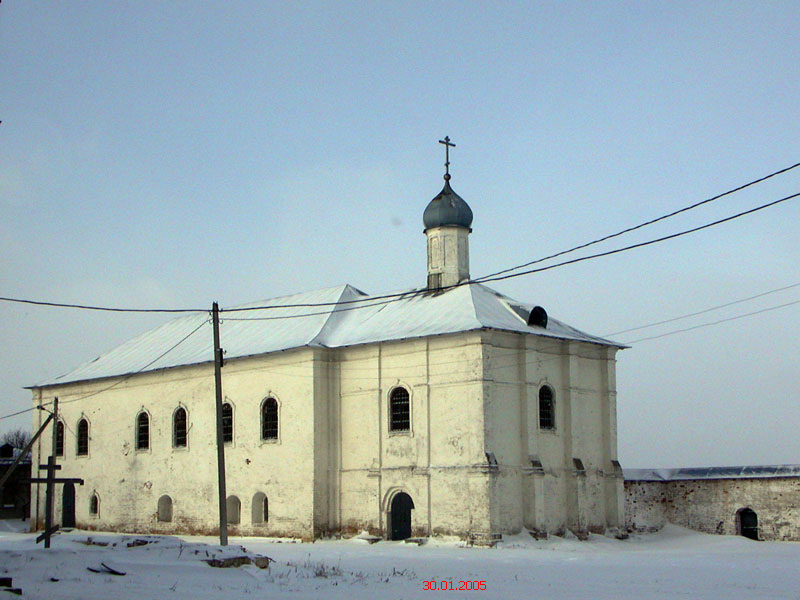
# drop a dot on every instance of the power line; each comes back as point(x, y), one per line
point(317, 313)
point(22, 412)
point(647, 243)
point(116, 383)
point(750, 314)
point(700, 312)
point(499, 277)
point(127, 377)
point(491, 277)
point(396, 296)
point(641, 225)
point(119, 381)
point(103, 308)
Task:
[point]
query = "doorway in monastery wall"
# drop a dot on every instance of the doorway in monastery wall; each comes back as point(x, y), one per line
point(747, 523)
point(400, 516)
point(68, 505)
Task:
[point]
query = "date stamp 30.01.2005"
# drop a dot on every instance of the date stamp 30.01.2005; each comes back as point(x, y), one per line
point(454, 586)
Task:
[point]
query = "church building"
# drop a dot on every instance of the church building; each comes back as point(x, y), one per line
point(448, 409)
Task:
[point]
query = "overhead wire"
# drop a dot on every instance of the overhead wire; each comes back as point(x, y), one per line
point(129, 375)
point(102, 308)
point(21, 412)
point(641, 225)
point(497, 276)
point(646, 243)
point(701, 312)
point(750, 314)
point(500, 275)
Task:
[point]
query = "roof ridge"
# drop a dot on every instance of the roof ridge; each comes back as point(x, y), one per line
point(329, 323)
point(342, 286)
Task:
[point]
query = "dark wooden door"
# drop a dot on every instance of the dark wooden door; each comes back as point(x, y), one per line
point(68, 505)
point(401, 516)
point(748, 521)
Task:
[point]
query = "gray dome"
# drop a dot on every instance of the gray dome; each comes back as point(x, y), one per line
point(447, 208)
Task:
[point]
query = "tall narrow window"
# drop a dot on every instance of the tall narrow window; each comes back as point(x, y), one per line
point(60, 438)
point(83, 438)
point(142, 431)
point(179, 428)
point(399, 410)
point(547, 415)
point(269, 419)
point(94, 505)
point(227, 423)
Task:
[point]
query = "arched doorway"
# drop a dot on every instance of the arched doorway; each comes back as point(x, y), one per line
point(400, 517)
point(68, 505)
point(748, 523)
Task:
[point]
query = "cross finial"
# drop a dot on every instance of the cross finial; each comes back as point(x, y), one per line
point(447, 146)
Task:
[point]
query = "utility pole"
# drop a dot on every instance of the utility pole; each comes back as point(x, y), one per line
point(223, 504)
point(51, 473)
point(50, 480)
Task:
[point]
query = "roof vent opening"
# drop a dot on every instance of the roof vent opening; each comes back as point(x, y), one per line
point(538, 317)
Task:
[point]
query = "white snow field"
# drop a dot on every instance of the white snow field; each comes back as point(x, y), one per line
point(673, 563)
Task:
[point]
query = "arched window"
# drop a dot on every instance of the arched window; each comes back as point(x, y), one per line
point(179, 428)
point(234, 510)
point(142, 431)
point(60, 438)
point(227, 423)
point(269, 419)
point(547, 412)
point(94, 505)
point(165, 509)
point(83, 438)
point(260, 512)
point(399, 410)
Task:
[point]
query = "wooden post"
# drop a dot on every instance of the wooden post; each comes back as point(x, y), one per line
point(223, 500)
point(51, 472)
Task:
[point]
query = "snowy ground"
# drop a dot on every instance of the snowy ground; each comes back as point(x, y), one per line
point(674, 563)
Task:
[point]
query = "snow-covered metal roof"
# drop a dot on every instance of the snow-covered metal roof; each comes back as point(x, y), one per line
point(280, 324)
point(15, 452)
point(751, 472)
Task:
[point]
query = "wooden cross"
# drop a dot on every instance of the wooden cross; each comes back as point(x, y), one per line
point(447, 146)
point(51, 467)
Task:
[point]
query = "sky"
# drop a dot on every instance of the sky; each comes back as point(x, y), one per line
point(169, 155)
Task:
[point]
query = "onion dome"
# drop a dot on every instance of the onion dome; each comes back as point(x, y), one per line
point(447, 208)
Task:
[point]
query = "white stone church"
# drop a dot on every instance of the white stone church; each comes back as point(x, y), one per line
point(448, 409)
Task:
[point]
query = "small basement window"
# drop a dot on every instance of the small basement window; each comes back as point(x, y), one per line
point(164, 512)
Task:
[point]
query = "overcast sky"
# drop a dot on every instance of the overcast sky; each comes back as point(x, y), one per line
point(158, 154)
